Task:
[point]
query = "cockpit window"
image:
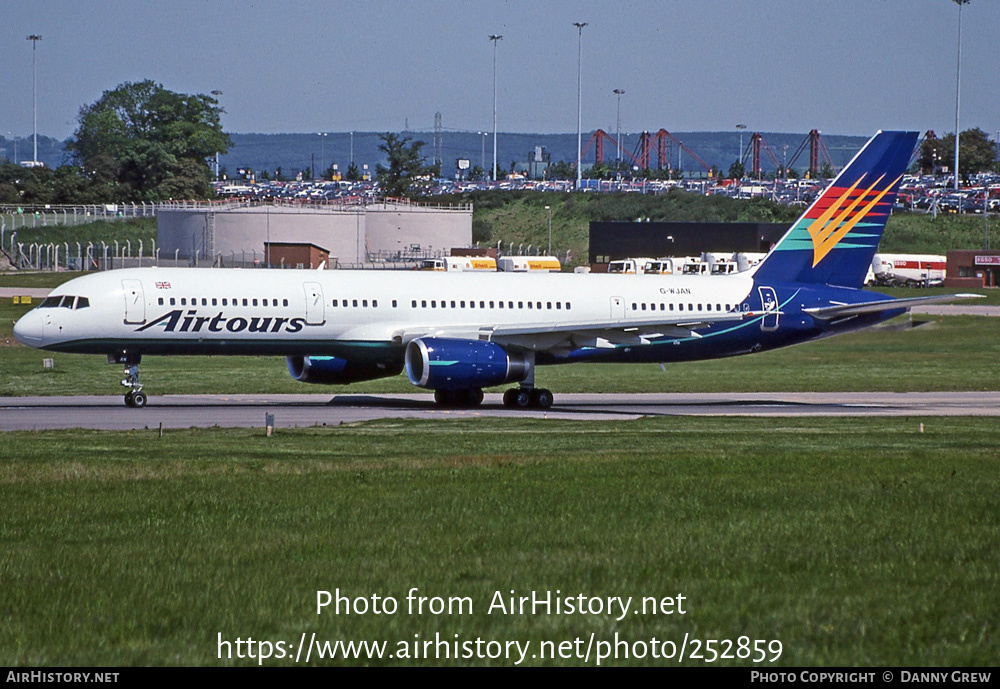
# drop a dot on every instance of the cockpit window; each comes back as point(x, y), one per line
point(66, 301)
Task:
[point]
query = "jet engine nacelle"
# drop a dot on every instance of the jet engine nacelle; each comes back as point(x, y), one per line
point(446, 364)
point(331, 370)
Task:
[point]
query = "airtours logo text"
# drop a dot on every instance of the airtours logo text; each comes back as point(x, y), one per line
point(191, 322)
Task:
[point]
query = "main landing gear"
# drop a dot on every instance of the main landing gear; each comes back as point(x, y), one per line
point(527, 398)
point(515, 398)
point(135, 397)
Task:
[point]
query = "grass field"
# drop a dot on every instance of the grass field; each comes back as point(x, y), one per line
point(953, 353)
point(851, 541)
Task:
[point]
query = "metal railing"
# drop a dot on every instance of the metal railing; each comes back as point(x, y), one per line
point(90, 256)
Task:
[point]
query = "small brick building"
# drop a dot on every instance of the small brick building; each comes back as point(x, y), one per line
point(971, 268)
point(295, 254)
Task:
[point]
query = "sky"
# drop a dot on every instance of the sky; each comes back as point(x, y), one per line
point(846, 67)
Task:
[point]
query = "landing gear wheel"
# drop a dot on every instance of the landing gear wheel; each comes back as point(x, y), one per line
point(541, 398)
point(129, 400)
point(517, 398)
point(521, 399)
point(138, 399)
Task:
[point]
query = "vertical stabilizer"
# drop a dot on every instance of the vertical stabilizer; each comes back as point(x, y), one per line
point(835, 239)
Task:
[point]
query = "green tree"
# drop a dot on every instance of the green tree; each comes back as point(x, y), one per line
point(562, 170)
point(598, 171)
point(353, 174)
point(737, 170)
point(150, 142)
point(976, 153)
point(406, 165)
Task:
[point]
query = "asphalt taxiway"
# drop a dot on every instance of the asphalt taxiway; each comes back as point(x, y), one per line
point(247, 411)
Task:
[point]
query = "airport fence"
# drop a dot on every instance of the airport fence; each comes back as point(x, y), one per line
point(77, 256)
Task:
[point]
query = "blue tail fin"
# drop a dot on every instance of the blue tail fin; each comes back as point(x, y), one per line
point(835, 239)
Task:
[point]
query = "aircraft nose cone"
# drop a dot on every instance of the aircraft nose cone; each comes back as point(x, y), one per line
point(28, 329)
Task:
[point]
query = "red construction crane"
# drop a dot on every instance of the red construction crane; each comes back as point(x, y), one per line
point(662, 139)
point(597, 140)
point(816, 149)
point(754, 147)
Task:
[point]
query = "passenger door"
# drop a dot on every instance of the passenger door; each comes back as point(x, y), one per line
point(769, 304)
point(135, 301)
point(617, 309)
point(315, 305)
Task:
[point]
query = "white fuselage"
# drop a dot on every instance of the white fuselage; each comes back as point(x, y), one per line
point(206, 311)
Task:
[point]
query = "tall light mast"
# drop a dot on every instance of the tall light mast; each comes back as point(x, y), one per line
point(619, 93)
point(495, 38)
point(579, 102)
point(34, 38)
point(958, 82)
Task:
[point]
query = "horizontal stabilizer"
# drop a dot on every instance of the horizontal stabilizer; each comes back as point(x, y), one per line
point(828, 313)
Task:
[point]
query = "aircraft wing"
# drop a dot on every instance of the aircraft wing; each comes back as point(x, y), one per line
point(828, 313)
point(563, 337)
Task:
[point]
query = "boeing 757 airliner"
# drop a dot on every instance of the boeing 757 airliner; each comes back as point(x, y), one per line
point(457, 333)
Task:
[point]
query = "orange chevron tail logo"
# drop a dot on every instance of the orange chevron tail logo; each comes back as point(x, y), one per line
point(839, 219)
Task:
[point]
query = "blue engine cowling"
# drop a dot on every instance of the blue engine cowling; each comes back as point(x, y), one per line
point(445, 364)
point(331, 370)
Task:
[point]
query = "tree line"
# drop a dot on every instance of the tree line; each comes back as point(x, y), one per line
point(141, 142)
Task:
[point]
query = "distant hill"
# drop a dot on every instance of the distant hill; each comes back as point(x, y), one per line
point(296, 152)
point(50, 151)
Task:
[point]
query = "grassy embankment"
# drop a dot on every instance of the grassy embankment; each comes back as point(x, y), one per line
point(851, 541)
point(520, 218)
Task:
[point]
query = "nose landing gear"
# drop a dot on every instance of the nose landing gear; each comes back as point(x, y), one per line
point(135, 397)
